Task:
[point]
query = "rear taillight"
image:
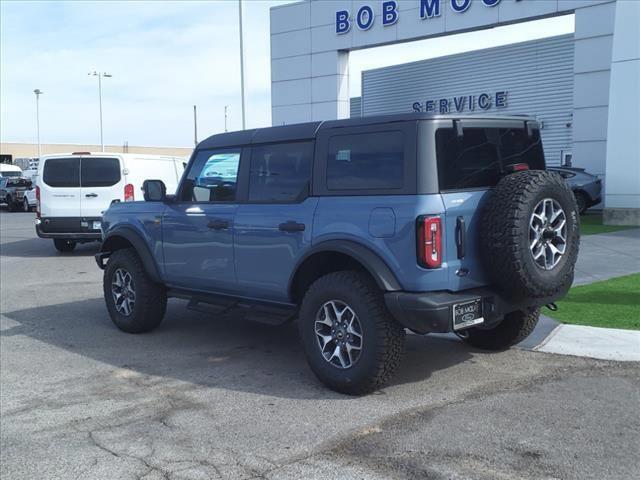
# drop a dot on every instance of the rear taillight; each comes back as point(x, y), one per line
point(37, 201)
point(128, 193)
point(429, 242)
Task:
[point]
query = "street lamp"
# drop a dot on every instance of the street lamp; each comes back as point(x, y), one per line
point(38, 92)
point(100, 75)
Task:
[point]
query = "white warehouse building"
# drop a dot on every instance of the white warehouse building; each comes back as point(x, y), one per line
point(583, 88)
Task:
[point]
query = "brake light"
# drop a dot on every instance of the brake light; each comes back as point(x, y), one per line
point(518, 167)
point(37, 201)
point(81, 153)
point(429, 242)
point(128, 193)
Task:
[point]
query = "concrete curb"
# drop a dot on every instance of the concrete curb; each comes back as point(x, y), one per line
point(593, 342)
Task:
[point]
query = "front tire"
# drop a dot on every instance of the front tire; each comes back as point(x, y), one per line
point(513, 329)
point(351, 342)
point(135, 303)
point(25, 205)
point(63, 245)
point(11, 206)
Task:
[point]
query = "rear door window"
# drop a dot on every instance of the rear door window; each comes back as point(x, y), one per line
point(482, 156)
point(62, 172)
point(280, 172)
point(366, 161)
point(99, 172)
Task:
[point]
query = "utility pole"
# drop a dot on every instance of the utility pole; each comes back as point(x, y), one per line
point(100, 75)
point(195, 126)
point(38, 92)
point(241, 63)
point(226, 109)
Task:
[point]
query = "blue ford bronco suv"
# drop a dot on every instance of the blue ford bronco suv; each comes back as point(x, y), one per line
point(357, 229)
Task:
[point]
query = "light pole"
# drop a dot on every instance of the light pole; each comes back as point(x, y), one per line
point(38, 92)
point(195, 126)
point(100, 75)
point(241, 61)
point(226, 109)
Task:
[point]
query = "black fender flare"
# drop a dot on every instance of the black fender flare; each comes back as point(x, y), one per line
point(371, 261)
point(140, 246)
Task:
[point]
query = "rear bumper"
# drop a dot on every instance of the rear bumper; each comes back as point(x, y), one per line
point(69, 228)
point(432, 312)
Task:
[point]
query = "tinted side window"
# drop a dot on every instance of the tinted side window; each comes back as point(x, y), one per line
point(367, 161)
point(62, 172)
point(481, 157)
point(280, 172)
point(99, 172)
point(213, 177)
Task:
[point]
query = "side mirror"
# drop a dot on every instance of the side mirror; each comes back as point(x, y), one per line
point(154, 191)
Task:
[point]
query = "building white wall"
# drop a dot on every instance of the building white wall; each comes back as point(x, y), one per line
point(622, 200)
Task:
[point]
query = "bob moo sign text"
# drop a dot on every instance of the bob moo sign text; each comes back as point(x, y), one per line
point(365, 17)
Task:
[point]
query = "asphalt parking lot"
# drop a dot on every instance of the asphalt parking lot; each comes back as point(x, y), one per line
point(205, 397)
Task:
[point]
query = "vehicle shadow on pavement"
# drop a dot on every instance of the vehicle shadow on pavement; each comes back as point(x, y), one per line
point(41, 248)
point(226, 352)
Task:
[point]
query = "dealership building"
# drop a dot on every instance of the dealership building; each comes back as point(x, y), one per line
point(583, 88)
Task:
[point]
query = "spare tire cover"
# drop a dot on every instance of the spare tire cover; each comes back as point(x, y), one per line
point(530, 235)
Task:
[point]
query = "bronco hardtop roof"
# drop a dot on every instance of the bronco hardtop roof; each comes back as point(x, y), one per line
point(308, 131)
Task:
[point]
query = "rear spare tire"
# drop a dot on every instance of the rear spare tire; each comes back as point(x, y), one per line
point(530, 235)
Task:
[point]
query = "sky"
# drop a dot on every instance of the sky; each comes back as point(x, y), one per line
point(165, 57)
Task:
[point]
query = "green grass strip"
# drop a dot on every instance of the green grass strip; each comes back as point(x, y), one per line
point(592, 224)
point(613, 303)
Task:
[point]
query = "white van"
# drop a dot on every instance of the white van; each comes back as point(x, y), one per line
point(7, 170)
point(73, 190)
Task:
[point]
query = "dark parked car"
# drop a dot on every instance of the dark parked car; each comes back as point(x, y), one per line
point(358, 229)
point(13, 191)
point(587, 188)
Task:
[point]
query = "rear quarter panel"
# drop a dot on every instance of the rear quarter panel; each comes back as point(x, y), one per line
point(387, 226)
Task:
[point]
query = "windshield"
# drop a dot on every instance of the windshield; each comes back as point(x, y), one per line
point(11, 174)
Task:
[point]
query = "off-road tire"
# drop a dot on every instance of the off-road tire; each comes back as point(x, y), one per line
point(150, 297)
point(63, 245)
point(383, 338)
point(513, 329)
point(504, 235)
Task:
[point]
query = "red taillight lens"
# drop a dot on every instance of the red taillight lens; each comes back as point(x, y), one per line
point(128, 193)
point(37, 201)
point(430, 242)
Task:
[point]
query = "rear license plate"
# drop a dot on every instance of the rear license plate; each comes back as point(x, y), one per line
point(96, 225)
point(467, 314)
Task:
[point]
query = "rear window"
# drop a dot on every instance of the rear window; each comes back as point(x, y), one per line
point(62, 172)
point(280, 172)
point(95, 172)
point(99, 172)
point(19, 182)
point(367, 161)
point(481, 156)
